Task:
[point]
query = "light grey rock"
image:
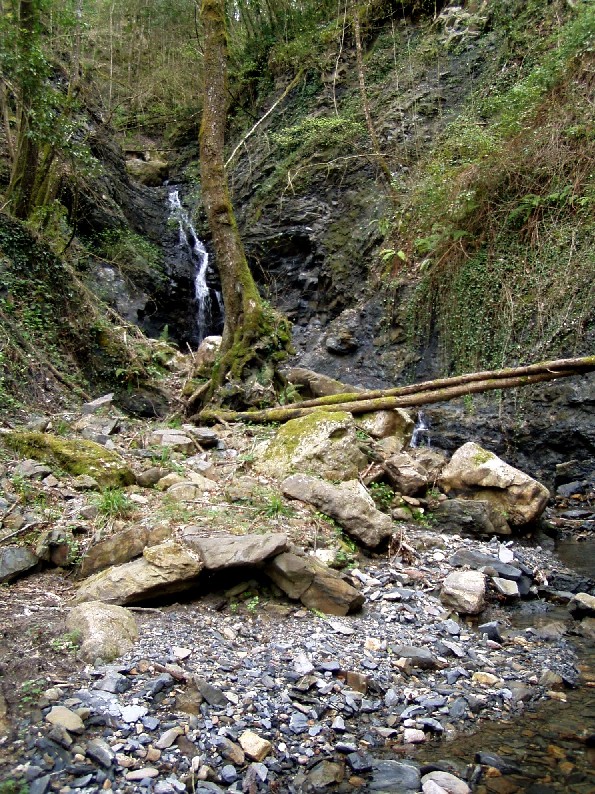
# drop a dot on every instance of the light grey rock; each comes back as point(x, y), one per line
point(506, 587)
point(107, 631)
point(163, 569)
point(382, 424)
point(95, 405)
point(582, 605)
point(474, 472)
point(232, 551)
point(447, 781)
point(348, 504)
point(464, 591)
point(406, 475)
point(65, 718)
point(16, 561)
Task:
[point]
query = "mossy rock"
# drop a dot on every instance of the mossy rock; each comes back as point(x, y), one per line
point(73, 456)
point(322, 443)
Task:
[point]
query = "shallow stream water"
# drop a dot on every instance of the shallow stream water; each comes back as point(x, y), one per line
point(553, 742)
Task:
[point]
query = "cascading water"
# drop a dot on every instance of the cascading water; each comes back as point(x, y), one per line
point(193, 248)
point(421, 434)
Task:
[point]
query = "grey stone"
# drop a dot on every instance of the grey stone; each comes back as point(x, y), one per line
point(348, 504)
point(99, 750)
point(469, 516)
point(419, 657)
point(464, 591)
point(506, 587)
point(447, 781)
point(393, 776)
point(16, 561)
point(232, 551)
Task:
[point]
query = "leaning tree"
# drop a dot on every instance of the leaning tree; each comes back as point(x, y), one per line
point(256, 338)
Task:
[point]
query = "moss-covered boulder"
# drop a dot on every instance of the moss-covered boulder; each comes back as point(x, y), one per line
point(73, 456)
point(322, 443)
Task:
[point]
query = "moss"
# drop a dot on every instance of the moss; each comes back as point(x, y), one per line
point(75, 457)
point(300, 431)
point(482, 456)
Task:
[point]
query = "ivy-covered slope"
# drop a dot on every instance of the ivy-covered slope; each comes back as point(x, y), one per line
point(481, 256)
point(57, 340)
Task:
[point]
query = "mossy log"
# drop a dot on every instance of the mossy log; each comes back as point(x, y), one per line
point(440, 390)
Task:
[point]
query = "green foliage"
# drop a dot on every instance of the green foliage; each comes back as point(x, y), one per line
point(132, 254)
point(31, 690)
point(382, 494)
point(113, 503)
point(69, 643)
point(502, 210)
point(12, 786)
point(313, 134)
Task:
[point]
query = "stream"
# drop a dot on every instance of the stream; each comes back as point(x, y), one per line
point(551, 747)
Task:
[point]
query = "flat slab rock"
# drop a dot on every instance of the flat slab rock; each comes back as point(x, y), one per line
point(232, 551)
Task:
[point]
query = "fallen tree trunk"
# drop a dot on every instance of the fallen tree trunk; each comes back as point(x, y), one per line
point(440, 390)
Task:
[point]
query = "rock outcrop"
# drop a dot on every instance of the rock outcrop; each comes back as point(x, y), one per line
point(163, 569)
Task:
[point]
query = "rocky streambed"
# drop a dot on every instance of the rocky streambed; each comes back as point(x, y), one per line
point(235, 684)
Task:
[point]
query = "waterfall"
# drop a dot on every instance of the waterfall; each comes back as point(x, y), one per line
point(421, 435)
point(193, 248)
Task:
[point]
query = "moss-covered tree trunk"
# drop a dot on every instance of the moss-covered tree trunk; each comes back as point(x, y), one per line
point(24, 170)
point(255, 337)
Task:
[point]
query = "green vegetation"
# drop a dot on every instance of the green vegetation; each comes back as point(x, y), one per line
point(382, 494)
point(114, 503)
point(69, 643)
point(500, 219)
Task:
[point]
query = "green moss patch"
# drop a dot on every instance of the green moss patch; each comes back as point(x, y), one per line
point(75, 457)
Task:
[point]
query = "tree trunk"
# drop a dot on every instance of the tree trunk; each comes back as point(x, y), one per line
point(435, 391)
point(255, 337)
point(24, 171)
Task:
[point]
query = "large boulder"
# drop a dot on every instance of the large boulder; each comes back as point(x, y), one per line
point(107, 631)
point(469, 517)
point(16, 561)
point(151, 173)
point(322, 443)
point(233, 551)
point(75, 457)
point(163, 569)
point(348, 503)
point(475, 473)
point(464, 591)
point(406, 475)
point(315, 585)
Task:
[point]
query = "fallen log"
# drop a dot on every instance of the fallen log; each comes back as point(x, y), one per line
point(440, 390)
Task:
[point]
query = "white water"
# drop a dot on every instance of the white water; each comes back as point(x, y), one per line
point(421, 436)
point(194, 248)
